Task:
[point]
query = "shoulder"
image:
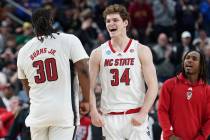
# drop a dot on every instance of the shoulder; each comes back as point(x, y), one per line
point(96, 52)
point(143, 47)
point(170, 83)
point(144, 52)
point(100, 48)
point(95, 57)
point(172, 80)
point(68, 36)
point(104, 45)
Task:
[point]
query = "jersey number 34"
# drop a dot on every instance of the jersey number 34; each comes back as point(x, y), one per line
point(116, 78)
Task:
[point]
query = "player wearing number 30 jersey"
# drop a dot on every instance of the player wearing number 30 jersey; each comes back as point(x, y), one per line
point(44, 69)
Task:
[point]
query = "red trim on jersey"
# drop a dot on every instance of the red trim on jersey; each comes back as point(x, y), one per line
point(128, 45)
point(126, 48)
point(110, 45)
point(130, 111)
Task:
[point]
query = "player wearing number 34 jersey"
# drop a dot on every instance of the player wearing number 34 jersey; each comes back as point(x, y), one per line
point(123, 66)
point(121, 77)
point(44, 69)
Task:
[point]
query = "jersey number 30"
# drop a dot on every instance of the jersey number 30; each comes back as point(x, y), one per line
point(46, 69)
point(124, 78)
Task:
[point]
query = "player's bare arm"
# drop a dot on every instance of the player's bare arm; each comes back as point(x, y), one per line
point(83, 75)
point(149, 73)
point(25, 85)
point(94, 67)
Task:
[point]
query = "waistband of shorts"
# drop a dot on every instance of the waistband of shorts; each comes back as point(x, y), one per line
point(130, 111)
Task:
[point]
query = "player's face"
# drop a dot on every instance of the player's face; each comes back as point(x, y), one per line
point(115, 25)
point(192, 63)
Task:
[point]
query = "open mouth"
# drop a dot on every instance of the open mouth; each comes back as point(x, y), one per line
point(188, 67)
point(112, 30)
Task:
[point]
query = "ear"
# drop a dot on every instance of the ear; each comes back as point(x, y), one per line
point(125, 23)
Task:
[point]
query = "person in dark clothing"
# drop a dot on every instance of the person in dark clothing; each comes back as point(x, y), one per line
point(179, 50)
point(88, 32)
point(19, 127)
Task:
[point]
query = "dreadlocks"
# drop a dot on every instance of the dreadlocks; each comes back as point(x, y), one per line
point(42, 23)
point(202, 64)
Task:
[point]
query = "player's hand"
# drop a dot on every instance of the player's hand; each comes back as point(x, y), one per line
point(138, 119)
point(173, 137)
point(96, 119)
point(84, 108)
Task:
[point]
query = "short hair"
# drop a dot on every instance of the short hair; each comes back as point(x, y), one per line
point(202, 64)
point(120, 9)
point(42, 23)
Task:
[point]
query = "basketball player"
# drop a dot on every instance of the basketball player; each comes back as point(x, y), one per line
point(44, 69)
point(184, 104)
point(123, 66)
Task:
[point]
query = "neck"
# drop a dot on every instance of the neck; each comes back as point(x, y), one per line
point(120, 41)
point(192, 78)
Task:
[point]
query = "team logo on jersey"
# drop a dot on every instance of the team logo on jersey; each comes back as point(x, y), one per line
point(189, 93)
point(131, 50)
point(108, 52)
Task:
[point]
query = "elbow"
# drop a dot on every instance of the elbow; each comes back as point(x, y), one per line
point(153, 89)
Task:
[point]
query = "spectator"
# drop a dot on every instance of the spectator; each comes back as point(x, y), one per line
point(141, 19)
point(9, 108)
point(162, 51)
point(184, 104)
point(179, 50)
point(18, 127)
point(186, 17)
point(98, 12)
point(70, 19)
point(25, 33)
point(202, 40)
point(164, 12)
point(88, 32)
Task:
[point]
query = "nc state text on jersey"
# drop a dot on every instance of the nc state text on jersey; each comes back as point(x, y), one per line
point(119, 62)
point(42, 51)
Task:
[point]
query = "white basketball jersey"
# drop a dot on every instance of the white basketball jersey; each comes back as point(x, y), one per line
point(123, 86)
point(46, 66)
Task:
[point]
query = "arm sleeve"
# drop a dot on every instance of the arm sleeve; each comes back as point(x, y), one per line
point(163, 110)
point(20, 71)
point(205, 130)
point(77, 51)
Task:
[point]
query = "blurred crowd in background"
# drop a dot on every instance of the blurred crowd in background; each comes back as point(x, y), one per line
point(169, 27)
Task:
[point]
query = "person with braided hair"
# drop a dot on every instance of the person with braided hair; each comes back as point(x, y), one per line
point(44, 69)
